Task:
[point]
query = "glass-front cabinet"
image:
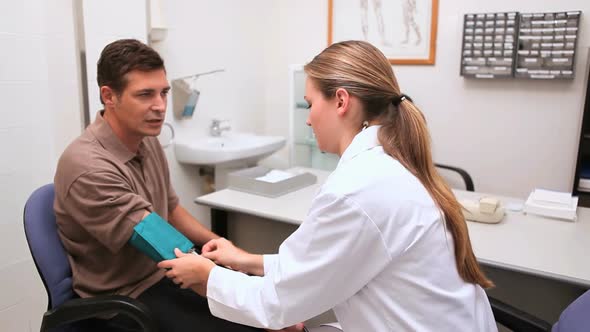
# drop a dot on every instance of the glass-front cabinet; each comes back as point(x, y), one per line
point(303, 146)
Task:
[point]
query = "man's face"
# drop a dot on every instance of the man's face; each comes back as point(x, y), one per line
point(141, 108)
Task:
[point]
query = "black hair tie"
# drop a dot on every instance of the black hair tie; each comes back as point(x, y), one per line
point(398, 100)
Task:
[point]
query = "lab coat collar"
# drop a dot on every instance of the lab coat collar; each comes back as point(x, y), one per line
point(366, 139)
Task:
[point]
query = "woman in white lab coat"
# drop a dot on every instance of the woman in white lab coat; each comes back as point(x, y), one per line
point(384, 245)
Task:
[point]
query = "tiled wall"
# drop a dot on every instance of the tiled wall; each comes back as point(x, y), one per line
point(40, 113)
point(106, 21)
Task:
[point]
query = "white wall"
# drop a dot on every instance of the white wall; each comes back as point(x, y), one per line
point(40, 114)
point(511, 135)
point(202, 36)
point(39, 85)
point(104, 22)
point(530, 127)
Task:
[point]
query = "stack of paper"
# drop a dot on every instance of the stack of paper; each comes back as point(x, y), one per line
point(553, 204)
point(274, 176)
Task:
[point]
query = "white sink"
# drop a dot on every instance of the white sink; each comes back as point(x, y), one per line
point(230, 148)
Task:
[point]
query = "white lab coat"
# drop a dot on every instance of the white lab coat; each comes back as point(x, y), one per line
point(373, 247)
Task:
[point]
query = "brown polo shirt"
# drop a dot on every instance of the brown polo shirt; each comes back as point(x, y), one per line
point(101, 192)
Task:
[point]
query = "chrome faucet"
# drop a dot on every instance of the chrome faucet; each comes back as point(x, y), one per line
point(215, 128)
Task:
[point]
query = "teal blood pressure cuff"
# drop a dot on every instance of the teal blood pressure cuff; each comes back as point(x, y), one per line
point(156, 238)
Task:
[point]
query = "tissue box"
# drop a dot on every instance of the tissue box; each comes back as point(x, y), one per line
point(268, 182)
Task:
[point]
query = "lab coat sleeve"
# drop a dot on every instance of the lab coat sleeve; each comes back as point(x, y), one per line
point(270, 261)
point(332, 255)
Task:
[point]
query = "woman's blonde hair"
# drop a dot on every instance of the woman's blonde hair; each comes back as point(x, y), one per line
point(364, 72)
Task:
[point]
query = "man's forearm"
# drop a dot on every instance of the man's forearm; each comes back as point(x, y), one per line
point(190, 227)
point(200, 289)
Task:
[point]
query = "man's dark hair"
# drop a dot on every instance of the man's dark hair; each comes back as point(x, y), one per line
point(121, 57)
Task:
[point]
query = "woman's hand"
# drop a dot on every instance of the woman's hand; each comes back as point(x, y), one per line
point(223, 252)
point(188, 271)
point(295, 328)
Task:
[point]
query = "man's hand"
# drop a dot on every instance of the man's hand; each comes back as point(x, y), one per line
point(188, 271)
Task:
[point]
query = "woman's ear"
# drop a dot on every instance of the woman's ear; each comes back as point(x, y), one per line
point(343, 100)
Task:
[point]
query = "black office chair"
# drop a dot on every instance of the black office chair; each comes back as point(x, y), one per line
point(575, 318)
point(467, 180)
point(65, 310)
point(516, 319)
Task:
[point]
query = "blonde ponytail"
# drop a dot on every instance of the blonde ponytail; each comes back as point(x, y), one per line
point(364, 72)
point(406, 139)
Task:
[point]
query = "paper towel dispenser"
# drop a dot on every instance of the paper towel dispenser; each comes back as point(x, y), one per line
point(185, 96)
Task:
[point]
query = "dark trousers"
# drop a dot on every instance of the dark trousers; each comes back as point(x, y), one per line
point(177, 310)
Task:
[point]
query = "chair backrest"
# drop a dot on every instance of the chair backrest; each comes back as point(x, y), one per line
point(576, 317)
point(465, 178)
point(46, 248)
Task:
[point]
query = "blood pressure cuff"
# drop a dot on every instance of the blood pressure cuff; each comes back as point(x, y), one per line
point(156, 238)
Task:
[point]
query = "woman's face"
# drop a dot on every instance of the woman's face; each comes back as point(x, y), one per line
point(322, 117)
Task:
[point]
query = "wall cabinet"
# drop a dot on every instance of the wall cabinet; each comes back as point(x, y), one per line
point(582, 174)
point(303, 145)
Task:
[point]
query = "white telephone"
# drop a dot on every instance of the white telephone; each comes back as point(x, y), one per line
point(487, 210)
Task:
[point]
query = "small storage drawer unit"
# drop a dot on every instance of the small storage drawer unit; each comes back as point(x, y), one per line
point(489, 44)
point(546, 45)
point(523, 45)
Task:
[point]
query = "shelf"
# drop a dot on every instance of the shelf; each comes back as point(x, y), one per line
point(302, 106)
point(584, 199)
point(307, 142)
point(584, 185)
point(583, 157)
point(584, 150)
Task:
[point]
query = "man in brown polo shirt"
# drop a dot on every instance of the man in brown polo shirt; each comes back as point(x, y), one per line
point(114, 175)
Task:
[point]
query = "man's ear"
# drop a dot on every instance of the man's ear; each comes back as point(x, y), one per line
point(343, 100)
point(108, 96)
